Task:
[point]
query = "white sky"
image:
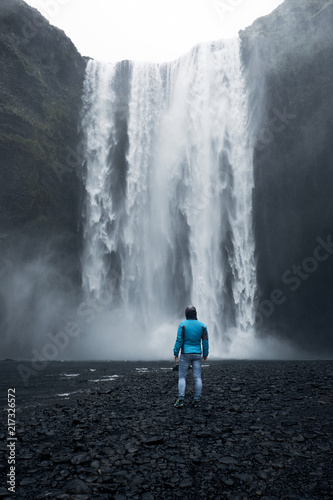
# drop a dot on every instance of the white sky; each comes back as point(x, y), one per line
point(149, 30)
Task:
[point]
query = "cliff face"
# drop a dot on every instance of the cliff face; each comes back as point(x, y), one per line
point(41, 79)
point(40, 98)
point(288, 58)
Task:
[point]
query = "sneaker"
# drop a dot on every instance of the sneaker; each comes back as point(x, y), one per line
point(196, 403)
point(179, 403)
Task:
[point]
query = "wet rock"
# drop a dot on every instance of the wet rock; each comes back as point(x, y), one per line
point(228, 460)
point(132, 449)
point(77, 486)
point(177, 459)
point(61, 458)
point(4, 492)
point(154, 440)
point(186, 483)
point(79, 458)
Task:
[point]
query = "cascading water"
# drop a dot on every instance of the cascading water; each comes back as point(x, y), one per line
point(168, 209)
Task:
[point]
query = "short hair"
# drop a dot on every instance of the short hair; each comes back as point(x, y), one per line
point(190, 312)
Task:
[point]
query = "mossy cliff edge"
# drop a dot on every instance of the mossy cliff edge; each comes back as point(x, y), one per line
point(41, 82)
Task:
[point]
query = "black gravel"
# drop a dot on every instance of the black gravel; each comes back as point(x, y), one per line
point(263, 430)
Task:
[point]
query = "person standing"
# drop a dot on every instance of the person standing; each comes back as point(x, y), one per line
point(191, 334)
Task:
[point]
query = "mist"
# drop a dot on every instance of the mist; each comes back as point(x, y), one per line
point(38, 292)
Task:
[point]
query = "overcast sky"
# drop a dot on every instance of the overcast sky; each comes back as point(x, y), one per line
point(149, 30)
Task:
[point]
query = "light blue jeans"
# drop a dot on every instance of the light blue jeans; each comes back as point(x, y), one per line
point(184, 362)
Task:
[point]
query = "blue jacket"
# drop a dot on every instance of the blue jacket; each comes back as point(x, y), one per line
point(191, 333)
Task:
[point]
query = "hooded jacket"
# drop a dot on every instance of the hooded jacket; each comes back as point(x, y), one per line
point(191, 333)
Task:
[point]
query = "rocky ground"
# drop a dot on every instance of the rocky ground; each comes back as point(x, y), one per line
point(264, 430)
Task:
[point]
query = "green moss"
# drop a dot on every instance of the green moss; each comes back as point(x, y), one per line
point(30, 146)
point(57, 112)
point(13, 110)
point(28, 68)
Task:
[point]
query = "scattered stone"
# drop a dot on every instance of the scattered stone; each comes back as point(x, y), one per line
point(4, 493)
point(228, 481)
point(228, 460)
point(154, 440)
point(80, 458)
point(77, 486)
point(255, 439)
point(186, 483)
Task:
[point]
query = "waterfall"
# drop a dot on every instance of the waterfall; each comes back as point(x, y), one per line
point(169, 183)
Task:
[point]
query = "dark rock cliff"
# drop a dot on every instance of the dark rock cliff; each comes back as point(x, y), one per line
point(41, 79)
point(288, 58)
point(40, 97)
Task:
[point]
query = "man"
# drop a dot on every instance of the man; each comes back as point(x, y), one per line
point(191, 333)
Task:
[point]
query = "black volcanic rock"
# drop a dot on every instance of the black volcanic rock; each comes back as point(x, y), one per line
point(277, 445)
point(288, 58)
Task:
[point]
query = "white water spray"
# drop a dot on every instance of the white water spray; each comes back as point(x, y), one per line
point(171, 222)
